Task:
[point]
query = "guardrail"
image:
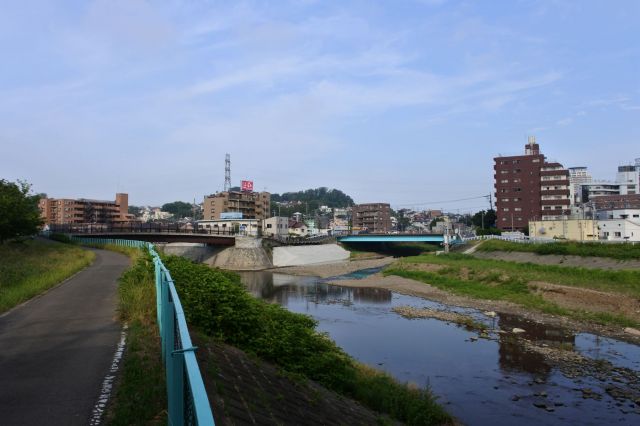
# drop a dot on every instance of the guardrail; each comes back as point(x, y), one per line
point(186, 395)
point(527, 240)
point(135, 228)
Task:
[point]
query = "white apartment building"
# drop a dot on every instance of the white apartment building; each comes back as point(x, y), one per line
point(577, 176)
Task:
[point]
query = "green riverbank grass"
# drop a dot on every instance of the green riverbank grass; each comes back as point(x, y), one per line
point(216, 303)
point(509, 281)
point(30, 267)
point(614, 251)
point(140, 396)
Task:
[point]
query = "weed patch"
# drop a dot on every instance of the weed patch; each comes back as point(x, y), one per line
point(29, 267)
point(614, 251)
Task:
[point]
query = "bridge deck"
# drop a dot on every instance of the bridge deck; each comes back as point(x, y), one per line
point(392, 238)
point(164, 237)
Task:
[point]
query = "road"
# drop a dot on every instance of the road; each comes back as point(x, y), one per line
point(56, 349)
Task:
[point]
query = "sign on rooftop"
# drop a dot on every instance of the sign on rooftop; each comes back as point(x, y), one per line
point(246, 185)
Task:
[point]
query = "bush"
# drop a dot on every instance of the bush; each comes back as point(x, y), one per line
point(216, 302)
point(63, 238)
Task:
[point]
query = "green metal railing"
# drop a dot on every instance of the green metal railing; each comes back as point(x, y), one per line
point(187, 398)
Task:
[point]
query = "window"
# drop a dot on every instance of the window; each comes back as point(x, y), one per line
point(618, 234)
point(268, 225)
point(506, 209)
point(516, 181)
point(518, 209)
point(504, 172)
point(506, 200)
point(504, 181)
point(535, 160)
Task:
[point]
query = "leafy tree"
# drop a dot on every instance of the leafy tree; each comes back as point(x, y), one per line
point(19, 212)
point(134, 210)
point(179, 209)
point(489, 219)
point(403, 220)
point(311, 200)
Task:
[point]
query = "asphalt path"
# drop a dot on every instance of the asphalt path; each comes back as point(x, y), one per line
point(56, 349)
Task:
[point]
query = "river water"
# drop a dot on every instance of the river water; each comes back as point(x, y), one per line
point(491, 381)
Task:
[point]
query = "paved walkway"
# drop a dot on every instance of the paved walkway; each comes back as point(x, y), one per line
point(56, 350)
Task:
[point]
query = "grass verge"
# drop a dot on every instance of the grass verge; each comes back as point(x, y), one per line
point(614, 251)
point(509, 281)
point(140, 397)
point(217, 304)
point(30, 267)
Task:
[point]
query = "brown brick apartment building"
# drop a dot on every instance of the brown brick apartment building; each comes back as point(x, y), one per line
point(252, 205)
point(529, 188)
point(373, 217)
point(75, 211)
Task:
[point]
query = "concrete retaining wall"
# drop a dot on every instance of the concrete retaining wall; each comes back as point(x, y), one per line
point(247, 255)
point(308, 255)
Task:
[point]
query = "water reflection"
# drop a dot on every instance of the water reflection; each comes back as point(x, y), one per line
point(512, 352)
point(281, 288)
point(476, 379)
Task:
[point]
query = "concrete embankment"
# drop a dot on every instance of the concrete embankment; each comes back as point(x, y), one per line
point(308, 255)
point(247, 255)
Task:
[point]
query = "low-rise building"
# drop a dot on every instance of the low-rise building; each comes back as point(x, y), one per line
point(567, 229)
point(277, 227)
point(619, 224)
point(230, 226)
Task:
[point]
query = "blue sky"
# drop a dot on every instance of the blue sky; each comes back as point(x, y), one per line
point(404, 102)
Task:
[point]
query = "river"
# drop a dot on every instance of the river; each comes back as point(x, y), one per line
point(481, 381)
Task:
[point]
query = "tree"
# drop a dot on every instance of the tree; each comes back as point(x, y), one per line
point(179, 209)
point(134, 210)
point(486, 218)
point(19, 212)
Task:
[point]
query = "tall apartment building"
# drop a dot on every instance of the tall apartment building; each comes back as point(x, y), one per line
point(577, 176)
point(373, 217)
point(529, 188)
point(76, 211)
point(252, 205)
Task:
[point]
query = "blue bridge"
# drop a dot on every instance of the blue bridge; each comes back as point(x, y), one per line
point(393, 238)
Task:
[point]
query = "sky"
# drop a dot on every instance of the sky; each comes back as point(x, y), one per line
point(401, 101)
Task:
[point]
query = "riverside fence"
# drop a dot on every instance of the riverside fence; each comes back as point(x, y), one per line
point(187, 397)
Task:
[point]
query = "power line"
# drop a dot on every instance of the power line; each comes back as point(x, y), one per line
point(442, 202)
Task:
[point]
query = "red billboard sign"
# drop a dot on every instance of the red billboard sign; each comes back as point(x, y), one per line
point(246, 185)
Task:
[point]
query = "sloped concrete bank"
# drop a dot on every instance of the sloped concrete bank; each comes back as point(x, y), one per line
point(246, 255)
point(308, 255)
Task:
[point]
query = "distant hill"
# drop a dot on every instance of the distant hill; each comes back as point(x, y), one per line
point(314, 198)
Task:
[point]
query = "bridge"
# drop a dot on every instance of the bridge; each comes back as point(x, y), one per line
point(150, 232)
point(392, 238)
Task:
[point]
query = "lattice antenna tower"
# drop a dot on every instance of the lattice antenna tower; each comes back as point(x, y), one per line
point(227, 172)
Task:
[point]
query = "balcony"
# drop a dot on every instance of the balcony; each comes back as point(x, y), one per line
point(554, 192)
point(564, 202)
